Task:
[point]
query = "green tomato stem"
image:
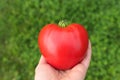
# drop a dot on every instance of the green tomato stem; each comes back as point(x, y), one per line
point(63, 23)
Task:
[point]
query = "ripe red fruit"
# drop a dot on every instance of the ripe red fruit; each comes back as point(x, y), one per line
point(63, 46)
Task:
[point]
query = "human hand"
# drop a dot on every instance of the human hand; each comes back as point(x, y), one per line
point(44, 71)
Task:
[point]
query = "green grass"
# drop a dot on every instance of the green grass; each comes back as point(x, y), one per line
point(21, 20)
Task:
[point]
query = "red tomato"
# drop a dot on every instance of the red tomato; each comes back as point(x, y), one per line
point(65, 47)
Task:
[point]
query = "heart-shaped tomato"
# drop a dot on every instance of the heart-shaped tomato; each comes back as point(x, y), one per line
point(63, 47)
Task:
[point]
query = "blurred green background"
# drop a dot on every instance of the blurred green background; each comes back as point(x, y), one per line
point(21, 20)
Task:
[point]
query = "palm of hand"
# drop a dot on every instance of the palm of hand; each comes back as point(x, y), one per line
point(46, 72)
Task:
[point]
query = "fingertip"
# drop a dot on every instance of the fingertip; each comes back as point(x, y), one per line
point(42, 60)
point(89, 50)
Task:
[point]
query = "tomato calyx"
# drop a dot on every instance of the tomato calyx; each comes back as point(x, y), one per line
point(63, 23)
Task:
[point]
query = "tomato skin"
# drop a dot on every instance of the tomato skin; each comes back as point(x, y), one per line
point(63, 48)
